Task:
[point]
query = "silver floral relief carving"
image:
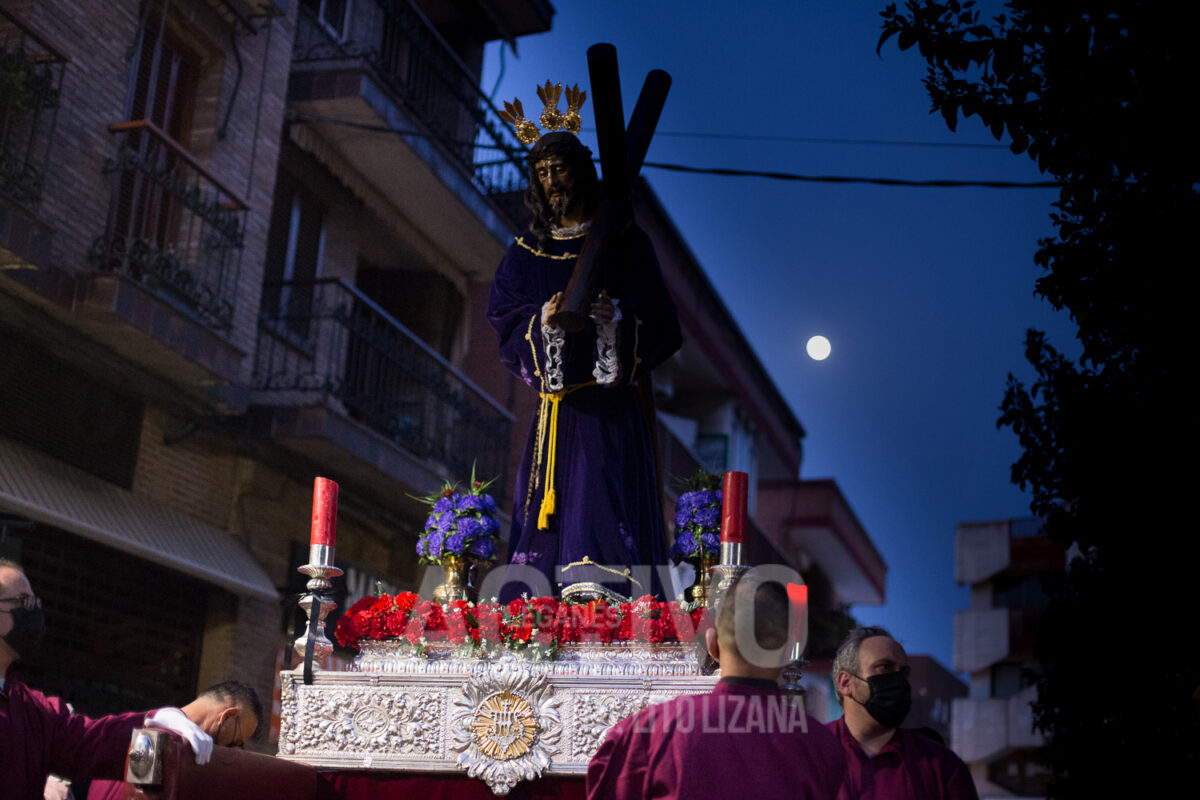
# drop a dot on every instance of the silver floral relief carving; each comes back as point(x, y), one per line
point(595, 713)
point(288, 716)
point(500, 717)
point(370, 721)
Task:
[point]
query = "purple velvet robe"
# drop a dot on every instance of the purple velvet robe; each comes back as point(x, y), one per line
point(741, 741)
point(40, 735)
point(909, 767)
point(607, 489)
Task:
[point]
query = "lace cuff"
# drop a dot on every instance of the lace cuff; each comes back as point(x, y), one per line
point(608, 364)
point(553, 340)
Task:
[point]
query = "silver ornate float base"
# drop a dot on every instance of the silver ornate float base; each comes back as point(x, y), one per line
point(502, 719)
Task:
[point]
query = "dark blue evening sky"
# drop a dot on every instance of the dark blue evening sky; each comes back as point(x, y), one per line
point(925, 294)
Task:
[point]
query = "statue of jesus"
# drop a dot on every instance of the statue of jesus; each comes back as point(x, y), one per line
point(587, 493)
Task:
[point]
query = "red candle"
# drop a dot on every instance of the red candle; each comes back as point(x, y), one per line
point(798, 595)
point(733, 507)
point(324, 512)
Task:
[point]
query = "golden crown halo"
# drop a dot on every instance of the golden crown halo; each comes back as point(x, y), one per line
point(571, 120)
point(551, 118)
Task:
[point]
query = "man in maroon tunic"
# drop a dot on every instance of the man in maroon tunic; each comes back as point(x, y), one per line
point(40, 734)
point(229, 712)
point(745, 739)
point(883, 760)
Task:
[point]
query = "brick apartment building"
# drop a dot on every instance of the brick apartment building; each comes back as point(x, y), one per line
point(246, 242)
point(205, 303)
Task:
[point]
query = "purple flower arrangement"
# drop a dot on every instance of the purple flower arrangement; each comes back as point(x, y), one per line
point(460, 523)
point(698, 519)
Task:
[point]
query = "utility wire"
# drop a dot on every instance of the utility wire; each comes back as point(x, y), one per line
point(822, 140)
point(292, 116)
point(791, 176)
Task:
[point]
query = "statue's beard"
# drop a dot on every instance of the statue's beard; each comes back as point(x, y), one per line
point(561, 203)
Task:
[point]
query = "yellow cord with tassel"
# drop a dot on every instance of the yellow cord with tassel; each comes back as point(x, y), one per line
point(549, 498)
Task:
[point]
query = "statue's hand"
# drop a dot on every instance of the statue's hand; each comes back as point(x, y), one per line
point(602, 309)
point(551, 308)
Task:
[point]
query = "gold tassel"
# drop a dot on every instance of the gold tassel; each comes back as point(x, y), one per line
point(549, 497)
point(547, 509)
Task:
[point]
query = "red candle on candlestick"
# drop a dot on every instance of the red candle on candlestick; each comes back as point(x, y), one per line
point(733, 507)
point(324, 512)
point(798, 595)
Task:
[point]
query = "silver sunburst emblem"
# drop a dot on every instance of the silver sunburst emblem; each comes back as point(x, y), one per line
point(506, 726)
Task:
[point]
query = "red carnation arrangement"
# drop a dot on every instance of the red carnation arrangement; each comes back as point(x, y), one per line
point(539, 624)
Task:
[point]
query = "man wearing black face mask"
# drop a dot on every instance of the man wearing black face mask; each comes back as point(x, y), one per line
point(40, 734)
point(884, 761)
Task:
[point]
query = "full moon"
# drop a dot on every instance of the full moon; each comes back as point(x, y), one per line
point(818, 348)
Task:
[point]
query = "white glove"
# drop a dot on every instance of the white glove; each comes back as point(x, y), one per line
point(172, 719)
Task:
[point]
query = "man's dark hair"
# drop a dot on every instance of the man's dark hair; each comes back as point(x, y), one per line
point(238, 694)
point(587, 183)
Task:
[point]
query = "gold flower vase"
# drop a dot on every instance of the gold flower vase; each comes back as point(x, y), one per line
point(698, 592)
point(456, 583)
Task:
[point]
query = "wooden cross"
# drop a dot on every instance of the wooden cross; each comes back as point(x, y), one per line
point(622, 152)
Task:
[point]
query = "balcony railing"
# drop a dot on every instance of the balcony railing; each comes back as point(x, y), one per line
point(324, 340)
point(400, 47)
point(31, 73)
point(171, 225)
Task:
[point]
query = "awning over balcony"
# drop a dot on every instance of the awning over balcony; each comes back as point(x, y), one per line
point(408, 184)
point(46, 490)
point(812, 516)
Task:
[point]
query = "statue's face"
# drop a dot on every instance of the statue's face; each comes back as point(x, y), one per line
point(557, 178)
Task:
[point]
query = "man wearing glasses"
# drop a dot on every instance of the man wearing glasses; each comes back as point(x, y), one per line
point(40, 734)
point(870, 678)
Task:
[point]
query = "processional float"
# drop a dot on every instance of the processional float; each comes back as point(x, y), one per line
point(439, 688)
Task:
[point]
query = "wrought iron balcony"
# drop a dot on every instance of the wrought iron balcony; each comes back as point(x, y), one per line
point(324, 341)
point(399, 47)
point(31, 73)
point(171, 225)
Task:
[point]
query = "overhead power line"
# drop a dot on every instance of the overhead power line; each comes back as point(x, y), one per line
point(747, 137)
point(791, 176)
point(723, 171)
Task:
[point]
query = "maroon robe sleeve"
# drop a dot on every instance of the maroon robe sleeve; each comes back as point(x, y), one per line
point(41, 735)
point(943, 766)
point(82, 747)
point(106, 790)
point(960, 785)
point(618, 771)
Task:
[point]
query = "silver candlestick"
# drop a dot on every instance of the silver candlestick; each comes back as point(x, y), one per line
point(319, 570)
point(793, 672)
point(725, 574)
